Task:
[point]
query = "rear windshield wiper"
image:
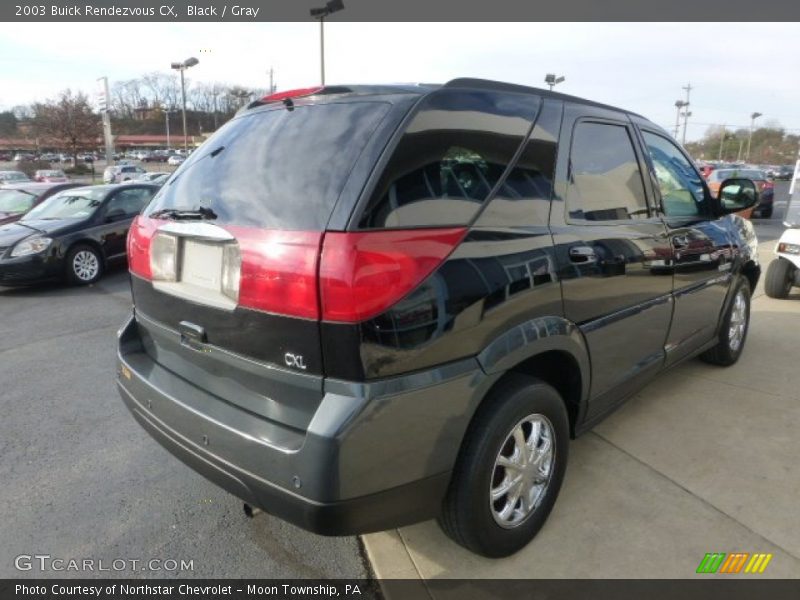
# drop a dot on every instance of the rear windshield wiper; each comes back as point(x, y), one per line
point(197, 214)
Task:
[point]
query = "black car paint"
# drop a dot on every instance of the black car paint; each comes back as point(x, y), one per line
point(398, 391)
point(108, 237)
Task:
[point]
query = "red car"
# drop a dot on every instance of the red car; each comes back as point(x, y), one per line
point(50, 176)
point(17, 199)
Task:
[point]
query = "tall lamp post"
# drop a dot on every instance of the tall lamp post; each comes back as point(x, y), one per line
point(753, 118)
point(320, 13)
point(679, 104)
point(552, 81)
point(166, 120)
point(182, 66)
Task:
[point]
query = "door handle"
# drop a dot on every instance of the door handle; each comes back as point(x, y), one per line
point(582, 254)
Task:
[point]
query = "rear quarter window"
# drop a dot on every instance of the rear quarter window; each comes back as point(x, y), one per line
point(450, 157)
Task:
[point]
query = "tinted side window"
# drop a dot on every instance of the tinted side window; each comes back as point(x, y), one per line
point(451, 156)
point(524, 197)
point(605, 183)
point(682, 193)
point(131, 202)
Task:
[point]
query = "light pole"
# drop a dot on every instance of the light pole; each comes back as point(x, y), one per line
point(753, 118)
point(166, 121)
point(182, 66)
point(552, 81)
point(679, 104)
point(320, 13)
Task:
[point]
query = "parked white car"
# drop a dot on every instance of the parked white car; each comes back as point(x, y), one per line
point(784, 271)
point(175, 160)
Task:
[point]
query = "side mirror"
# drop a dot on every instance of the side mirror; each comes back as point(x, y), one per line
point(115, 215)
point(736, 195)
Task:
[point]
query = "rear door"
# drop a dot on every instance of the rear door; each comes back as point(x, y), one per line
point(611, 247)
point(228, 298)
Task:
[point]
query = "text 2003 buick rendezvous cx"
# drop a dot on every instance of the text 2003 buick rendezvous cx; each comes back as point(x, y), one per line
point(360, 307)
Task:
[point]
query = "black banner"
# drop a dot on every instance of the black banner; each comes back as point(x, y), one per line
point(395, 10)
point(399, 589)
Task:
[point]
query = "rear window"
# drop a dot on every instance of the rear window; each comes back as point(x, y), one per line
point(275, 169)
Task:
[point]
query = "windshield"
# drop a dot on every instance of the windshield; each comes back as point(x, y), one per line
point(739, 173)
point(279, 168)
point(16, 201)
point(71, 204)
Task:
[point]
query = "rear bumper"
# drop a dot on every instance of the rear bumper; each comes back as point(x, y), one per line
point(369, 460)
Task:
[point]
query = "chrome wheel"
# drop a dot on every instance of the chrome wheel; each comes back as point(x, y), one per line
point(85, 265)
point(738, 322)
point(522, 471)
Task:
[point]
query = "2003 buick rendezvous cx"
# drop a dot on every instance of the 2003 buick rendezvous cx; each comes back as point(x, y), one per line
point(360, 307)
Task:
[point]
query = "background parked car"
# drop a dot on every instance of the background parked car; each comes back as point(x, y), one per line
point(151, 176)
point(784, 173)
point(20, 156)
point(8, 177)
point(50, 176)
point(120, 173)
point(175, 160)
point(17, 199)
point(74, 234)
point(765, 187)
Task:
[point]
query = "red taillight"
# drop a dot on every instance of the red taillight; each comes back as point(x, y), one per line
point(362, 274)
point(298, 93)
point(336, 276)
point(279, 271)
point(139, 238)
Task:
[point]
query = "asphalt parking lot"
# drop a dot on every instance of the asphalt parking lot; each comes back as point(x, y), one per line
point(80, 479)
point(702, 461)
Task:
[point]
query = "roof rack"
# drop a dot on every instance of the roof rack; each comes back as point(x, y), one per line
point(500, 86)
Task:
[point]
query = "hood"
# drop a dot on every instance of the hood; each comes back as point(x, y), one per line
point(11, 233)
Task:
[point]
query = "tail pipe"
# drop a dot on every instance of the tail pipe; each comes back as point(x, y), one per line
point(251, 511)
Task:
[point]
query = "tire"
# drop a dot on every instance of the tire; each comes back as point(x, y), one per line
point(468, 516)
point(84, 265)
point(733, 330)
point(780, 278)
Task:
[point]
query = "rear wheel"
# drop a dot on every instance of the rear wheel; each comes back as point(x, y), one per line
point(509, 470)
point(733, 331)
point(84, 265)
point(780, 278)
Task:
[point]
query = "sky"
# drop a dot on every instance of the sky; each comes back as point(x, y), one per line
point(734, 69)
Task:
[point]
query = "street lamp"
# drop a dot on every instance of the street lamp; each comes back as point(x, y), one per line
point(166, 120)
point(320, 13)
point(551, 80)
point(182, 66)
point(753, 118)
point(679, 104)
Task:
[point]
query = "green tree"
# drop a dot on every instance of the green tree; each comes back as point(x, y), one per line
point(67, 122)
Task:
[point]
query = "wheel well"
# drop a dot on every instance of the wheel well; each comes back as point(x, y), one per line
point(752, 272)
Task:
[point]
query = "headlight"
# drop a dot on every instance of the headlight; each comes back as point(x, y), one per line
point(33, 245)
point(789, 248)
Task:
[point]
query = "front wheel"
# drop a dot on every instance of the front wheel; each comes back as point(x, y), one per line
point(780, 278)
point(510, 468)
point(733, 330)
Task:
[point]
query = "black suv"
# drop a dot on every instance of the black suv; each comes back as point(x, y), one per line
point(361, 307)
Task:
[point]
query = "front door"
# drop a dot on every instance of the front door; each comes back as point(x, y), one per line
point(703, 251)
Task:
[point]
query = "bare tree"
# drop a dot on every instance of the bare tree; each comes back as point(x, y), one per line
point(68, 122)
